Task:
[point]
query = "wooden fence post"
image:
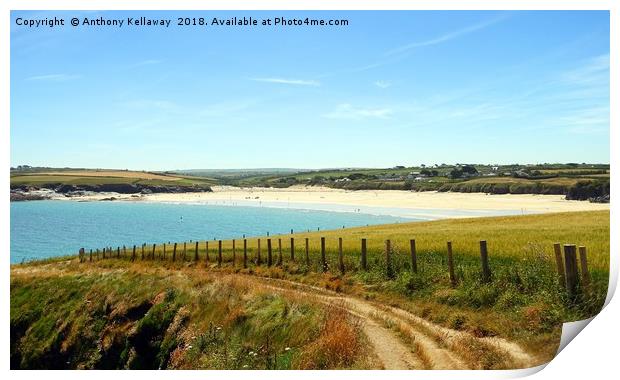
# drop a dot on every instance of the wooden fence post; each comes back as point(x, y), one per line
point(340, 256)
point(81, 255)
point(585, 273)
point(388, 259)
point(219, 253)
point(269, 257)
point(90, 255)
point(133, 253)
point(142, 252)
point(307, 252)
point(484, 259)
point(258, 260)
point(364, 259)
point(196, 252)
point(279, 252)
point(174, 252)
point(559, 263)
point(184, 251)
point(414, 256)
point(153, 252)
point(323, 260)
point(570, 264)
point(207, 251)
point(245, 253)
point(292, 249)
point(234, 253)
point(451, 265)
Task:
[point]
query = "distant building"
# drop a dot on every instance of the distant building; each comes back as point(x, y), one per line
point(390, 177)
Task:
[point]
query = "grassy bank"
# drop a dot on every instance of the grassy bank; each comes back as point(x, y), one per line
point(113, 319)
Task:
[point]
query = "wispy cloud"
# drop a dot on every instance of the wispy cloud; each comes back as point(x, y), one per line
point(593, 72)
point(226, 108)
point(162, 105)
point(295, 82)
point(53, 77)
point(585, 120)
point(447, 36)
point(147, 62)
point(350, 112)
point(383, 84)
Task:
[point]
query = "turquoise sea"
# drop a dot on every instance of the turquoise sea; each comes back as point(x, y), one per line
point(41, 229)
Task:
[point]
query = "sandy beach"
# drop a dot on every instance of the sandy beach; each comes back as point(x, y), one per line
point(421, 205)
point(426, 205)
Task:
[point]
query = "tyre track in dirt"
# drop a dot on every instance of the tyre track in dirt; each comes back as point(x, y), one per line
point(430, 346)
point(390, 350)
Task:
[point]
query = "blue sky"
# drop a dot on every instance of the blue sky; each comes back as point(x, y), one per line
point(392, 88)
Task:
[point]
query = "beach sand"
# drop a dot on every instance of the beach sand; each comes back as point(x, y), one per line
point(427, 205)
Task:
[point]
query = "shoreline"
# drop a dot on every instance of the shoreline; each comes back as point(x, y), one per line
point(400, 203)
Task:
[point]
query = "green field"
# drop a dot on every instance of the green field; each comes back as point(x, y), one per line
point(93, 177)
point(576, 181)
point(496, 179)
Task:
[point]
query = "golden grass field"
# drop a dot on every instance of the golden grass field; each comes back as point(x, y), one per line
point(507, 237)
point(103, 176)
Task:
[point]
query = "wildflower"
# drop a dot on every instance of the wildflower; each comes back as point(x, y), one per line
point(287, 349)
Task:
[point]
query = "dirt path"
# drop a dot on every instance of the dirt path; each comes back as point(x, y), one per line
point(391, 351)
point(403, 340)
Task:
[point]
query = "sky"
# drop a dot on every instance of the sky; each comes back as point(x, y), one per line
point(391, 88)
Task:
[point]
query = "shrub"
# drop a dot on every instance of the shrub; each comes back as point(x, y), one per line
point(336, 346)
